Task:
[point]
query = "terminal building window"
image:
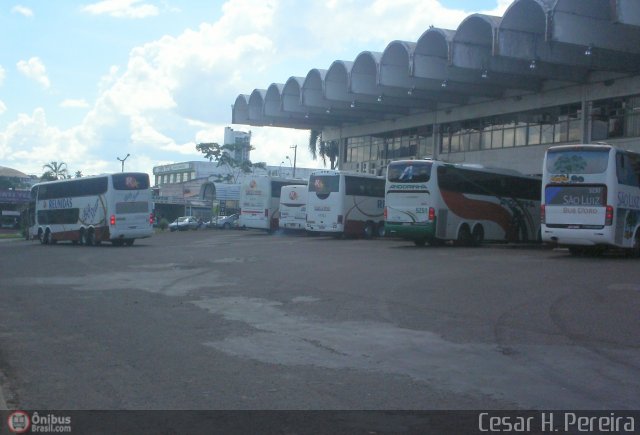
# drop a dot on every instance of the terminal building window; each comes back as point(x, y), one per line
point(615, 118)
point(546, 126)
point(402, 144)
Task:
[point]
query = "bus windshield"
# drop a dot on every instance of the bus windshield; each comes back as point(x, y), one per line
point(409, 172)
point(324, 184)
point(577, 161)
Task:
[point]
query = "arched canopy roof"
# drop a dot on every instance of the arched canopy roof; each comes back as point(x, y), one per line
point(536, 41)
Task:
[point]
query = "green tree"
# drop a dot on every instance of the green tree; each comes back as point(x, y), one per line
point(54, 171)
point(225, 156)
point(325, 149)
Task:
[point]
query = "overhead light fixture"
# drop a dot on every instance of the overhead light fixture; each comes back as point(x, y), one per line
point(353, 104)
point(589, 50)
point(533, 65)
point(328, 110)
point(410, 91)
point(444, 83)
point(485, 74)
point(306, 115)
point(380, 98)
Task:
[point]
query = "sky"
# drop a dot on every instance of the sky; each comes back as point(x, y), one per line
point(88, 82)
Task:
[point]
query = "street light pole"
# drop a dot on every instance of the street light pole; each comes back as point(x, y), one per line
point(295, 153)
point(122, 160)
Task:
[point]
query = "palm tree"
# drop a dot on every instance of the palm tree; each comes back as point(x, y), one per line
point(325, 149)
point(55, 171)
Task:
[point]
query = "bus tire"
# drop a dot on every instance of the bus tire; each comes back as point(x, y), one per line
point(477, 235)
point(83, 237)
point(464, 236)
point(381, 231)
point(91, 237)
point(368, 230)
point(46, 237)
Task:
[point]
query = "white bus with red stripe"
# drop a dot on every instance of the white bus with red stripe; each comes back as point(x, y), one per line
point(112, 208)
point(591, 198)
point(434, 201)
point(260, 201)
point(293, 207)
point(345, 203)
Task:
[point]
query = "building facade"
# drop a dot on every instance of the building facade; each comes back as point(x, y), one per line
point(497, 91)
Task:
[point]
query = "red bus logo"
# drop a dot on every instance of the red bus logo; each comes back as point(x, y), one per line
point(19, 422)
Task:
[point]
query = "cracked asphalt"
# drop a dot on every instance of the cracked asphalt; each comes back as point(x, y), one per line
point(242, 320)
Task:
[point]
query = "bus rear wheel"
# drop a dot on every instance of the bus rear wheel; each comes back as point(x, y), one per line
point(477, 236)
point(464, 236)
point(90, 237)
point(44, 236)
point(368, 230)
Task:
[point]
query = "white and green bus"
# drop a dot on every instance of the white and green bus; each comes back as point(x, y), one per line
point(429, 201)
point(591, 199)
point(345, 204)
point(114, 208)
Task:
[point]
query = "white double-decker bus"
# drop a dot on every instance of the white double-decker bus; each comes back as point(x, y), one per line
point(293, 207)
point(591, 198)
point(260, 201)
point(433, 201)
point(112, 208)
point(345, 203)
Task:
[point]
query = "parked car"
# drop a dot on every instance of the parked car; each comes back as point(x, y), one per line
point(184, 223)
point(225, 222)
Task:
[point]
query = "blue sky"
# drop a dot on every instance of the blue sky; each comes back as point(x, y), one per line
point(85, 82)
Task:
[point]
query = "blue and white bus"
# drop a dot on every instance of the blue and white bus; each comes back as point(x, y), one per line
point(114, 208)
point(591, 198)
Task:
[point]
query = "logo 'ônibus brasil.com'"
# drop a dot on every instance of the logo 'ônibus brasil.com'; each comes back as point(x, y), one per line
point(19, 422)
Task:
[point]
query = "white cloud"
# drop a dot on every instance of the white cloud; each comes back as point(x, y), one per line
point(122, 9)
point(2, 75)
point(35, 69)
point(74, 104)
point(22, 10)
point(3, 107)
point(177, 91)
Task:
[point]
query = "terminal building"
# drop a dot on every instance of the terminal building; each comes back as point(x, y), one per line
point(496, 91)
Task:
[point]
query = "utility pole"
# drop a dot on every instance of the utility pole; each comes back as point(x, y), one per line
point(295, 152)
point(122, 160)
